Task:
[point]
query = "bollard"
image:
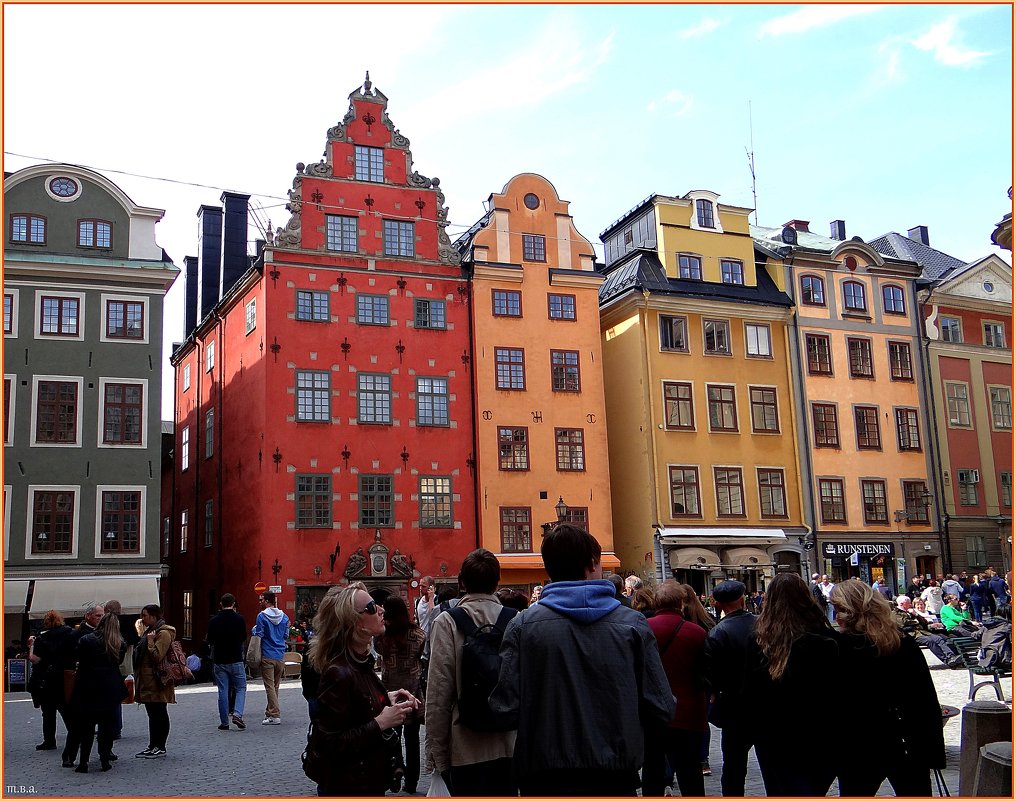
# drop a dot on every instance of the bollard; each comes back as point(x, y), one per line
point(993, 776)
point(983, 722)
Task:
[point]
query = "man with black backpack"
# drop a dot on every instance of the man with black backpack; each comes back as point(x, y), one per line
point(464, 742)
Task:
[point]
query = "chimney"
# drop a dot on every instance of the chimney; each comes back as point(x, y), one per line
point(838, 230)
point(209, 248)
point(797, 225)
point(919, 234)
point(191, 307)
point(234, 240)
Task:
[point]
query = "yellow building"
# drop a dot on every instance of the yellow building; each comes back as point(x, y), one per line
point(541, 450)
point(700, 412)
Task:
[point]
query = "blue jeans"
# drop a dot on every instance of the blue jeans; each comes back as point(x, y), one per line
point(226, 676)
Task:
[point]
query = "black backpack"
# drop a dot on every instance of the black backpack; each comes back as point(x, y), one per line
point(481, 664)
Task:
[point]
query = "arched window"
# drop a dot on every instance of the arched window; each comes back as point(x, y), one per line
point(812, 290)
point(892, 300)
point(853, 297)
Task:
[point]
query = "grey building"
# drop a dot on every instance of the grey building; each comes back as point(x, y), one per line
point(84, 284)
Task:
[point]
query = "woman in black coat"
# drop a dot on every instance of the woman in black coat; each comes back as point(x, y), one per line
point(888, 670)
point(98, 689)
point(46, 653)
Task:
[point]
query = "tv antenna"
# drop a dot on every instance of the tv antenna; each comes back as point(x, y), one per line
point(751, 162)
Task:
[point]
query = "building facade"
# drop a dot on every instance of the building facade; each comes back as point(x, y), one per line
point(541, 436)
point(84, 285)
point(700, 413)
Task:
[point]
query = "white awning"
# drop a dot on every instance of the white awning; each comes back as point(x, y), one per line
point(722, 536)
point(693, 557)
point(744, 556)
point(15, 596)
point(69, 596)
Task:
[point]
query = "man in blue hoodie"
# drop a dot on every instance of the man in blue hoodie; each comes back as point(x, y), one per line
point(580, 678)
point(272, 626)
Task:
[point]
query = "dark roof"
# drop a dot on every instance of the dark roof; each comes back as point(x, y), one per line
point(642, 270)
point(465, 239)
point(934, 263)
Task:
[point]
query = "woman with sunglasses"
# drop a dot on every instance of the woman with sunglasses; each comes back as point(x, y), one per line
point(352, 745)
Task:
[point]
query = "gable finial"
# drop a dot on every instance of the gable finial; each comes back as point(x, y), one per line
point(366, 84)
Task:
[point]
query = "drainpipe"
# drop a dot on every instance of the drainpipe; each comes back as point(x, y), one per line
point(221, 323)
point(654, 482)
point(472, 404)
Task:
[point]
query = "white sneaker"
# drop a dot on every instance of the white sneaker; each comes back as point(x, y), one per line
point(271, 722)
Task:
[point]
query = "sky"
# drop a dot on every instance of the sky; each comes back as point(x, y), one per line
point(885, 116)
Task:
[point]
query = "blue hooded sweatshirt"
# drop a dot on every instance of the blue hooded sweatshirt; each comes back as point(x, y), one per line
point(582, 601)
point(272, 625)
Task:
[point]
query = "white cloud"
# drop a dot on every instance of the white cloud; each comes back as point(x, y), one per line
point(940, 41)
point(809, 17)
point(674, 104)
point(706, 26)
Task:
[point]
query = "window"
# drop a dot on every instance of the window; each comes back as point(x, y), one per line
point(187, 624)
point(209, 523)
point(209, 357)
point(571, 452)
point(820, 360)
point(977, 552)
point(731, 271)
point(250, 315)
point(689, 266)
point(429, 313)
point(60, 316)
point(184, 448)
point(561, 307)
point(968, 481)
point(534, 248)
point(400, 238)
point(908, 437)
point(722, 408)
point(957, 404)
point(167, 526)
point(994, 335)
point(122, 414)
point(509, 364)
point(812, 290)
point(372, 309)
point(312, 306)
point(516, 529)
point(859, 352)
point(952, 329)
point(900, 366)
point(684, 492)
point(432, 401)
point(28, 229)
point(758, 340)
point(374, 398)
point(369, 163)
point(184, 530)
point(95, 234)
point(875, 508)
point(827, 432)
point(341, 233)
point(125, 319)
point(577, 516)
point(679, 411)
point(764, 414)
point(313, 396)
point(673, 333)
point(209, 433)
point(507, 303)
point(8, 408)
point(772, 492)
point(435, 502)
point(704, 211)
point(186, 377)
point(313, 501)
point(729, 491)
point(52, 521)
point(377, 500)
point(892, 300)
point(914, 502)
point(1005, 487)
point(833, 508)
point(8, 313)
point(57, 412)
point(866, 424)
point(513, 448)
point(1001, 407)
point(717, 336)
point(853, 297)
point(564, 371)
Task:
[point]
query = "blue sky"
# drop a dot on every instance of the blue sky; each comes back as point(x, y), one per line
point(884, 116)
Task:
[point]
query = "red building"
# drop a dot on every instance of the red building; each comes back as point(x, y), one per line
point(323, 426)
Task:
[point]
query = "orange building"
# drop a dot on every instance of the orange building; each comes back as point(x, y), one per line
point(541, 449)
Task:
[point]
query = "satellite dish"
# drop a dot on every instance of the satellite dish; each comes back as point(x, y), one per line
point(789, 236)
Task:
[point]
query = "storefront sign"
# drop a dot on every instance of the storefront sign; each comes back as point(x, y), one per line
point(831, 549)
point(17, 672)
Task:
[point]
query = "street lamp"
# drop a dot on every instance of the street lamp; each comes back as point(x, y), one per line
point(561, 508)
point(276, 569)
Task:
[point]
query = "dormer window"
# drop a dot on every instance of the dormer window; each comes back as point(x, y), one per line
point(370, 164)
point(689, 266)
point(853, 297)
point(28, 229)
point(95, 234)
point(704, 213)
point(732, 271)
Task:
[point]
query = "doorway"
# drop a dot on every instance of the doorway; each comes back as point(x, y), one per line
point(926, 566)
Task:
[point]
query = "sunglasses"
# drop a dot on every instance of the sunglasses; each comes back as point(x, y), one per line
point(370, 609)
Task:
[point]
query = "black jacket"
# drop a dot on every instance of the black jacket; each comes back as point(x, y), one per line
point(98, 685)
point(725, 667)
point(227, 632)
point(46, 682)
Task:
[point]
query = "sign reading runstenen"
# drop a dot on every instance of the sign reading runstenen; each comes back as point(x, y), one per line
point(862, 548)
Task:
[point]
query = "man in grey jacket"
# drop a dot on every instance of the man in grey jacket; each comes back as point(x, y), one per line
point(580, 677)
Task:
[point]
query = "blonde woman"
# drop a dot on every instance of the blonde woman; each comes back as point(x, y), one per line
point(98, 689)
point(882, 664)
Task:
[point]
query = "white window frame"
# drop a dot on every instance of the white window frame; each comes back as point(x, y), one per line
point(75, 517)
point(58, 293)
point(15, 305)
point(184, 449)
point(102, 413)
point(186, 377)
point(991, 406)
point(997, 327)
point(8, 497)
point(250, 315)
point(36, 379)
point(146, 306)
point(712, 197)
point(142, 519)
point(757, 341)
point(958, 327)
point(12, 411)
point(210, 356)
